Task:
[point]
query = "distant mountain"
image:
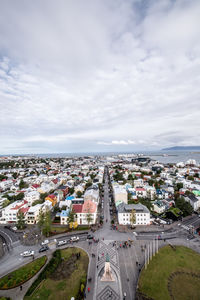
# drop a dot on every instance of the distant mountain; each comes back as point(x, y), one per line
point(186, 148)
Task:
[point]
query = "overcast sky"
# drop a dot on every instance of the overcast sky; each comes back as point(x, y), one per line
point(99, 75)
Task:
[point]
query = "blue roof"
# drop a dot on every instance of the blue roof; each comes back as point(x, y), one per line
point(70, 198)
point(65, 213)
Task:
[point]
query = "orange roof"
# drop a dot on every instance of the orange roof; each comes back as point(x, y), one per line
point(89, 206)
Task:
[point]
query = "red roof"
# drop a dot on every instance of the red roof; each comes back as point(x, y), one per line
point(140, 189)
point(24, 209)
point(77, 208)
point(52, 196)
point(35, 185)
point(55, 181)
point(20, 205)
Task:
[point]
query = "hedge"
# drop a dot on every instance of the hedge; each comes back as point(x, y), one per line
point(48, 270)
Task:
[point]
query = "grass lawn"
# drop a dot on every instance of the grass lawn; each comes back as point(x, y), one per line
point(64, 284)
point(154, 281)
point(22, 274)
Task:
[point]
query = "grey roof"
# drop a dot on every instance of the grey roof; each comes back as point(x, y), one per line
point(123, 208)
point(192, 198)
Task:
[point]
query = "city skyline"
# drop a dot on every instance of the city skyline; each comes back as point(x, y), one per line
point(99, 76)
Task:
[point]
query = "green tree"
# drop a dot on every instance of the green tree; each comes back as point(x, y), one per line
point(88, 184)
point(43, 196)
point(71, 190)
point(22, 184)
point(79, 194)
point(46, 228)
point(71, 216)
point(133, 217)
point(179, 186)
point(19, 196)
point(130, 177)
point(89, 216)
point(20, 220)
point(40, 219)
point(5, 203)
point(184, 206)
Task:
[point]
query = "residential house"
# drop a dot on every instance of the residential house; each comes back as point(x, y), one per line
point(52, 198)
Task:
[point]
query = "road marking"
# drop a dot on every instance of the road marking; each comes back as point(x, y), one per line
point(127, 275)
point(6, 235)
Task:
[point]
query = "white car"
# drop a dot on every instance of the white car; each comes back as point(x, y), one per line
point(60, 243)
point(74, 239)
point(45, 242)
point(27, 253)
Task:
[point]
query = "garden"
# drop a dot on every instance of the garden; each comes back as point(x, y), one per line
point(174, 273)
point(22, 274)
point(63, 278)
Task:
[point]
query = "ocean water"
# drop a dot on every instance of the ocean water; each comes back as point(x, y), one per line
point(161, 156)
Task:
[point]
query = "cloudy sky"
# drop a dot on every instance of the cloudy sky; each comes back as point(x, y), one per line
point(99, 75)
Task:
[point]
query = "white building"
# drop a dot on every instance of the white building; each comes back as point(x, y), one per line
point(9, 213)
point(120, 193)
point(158, 206)
point(31, 197)
point(142, 214)
point(33, 213)
point(194, 201)
point(92, 194)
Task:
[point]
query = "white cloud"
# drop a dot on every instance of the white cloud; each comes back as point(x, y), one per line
point(113, 73)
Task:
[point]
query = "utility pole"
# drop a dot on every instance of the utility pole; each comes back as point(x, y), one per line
point(145, 255)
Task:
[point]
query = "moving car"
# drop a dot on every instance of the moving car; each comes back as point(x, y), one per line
point(89, 237)
point(74, 239)
point(27, 253)
point(44, 248)
point(45, 242)
point(60, 243)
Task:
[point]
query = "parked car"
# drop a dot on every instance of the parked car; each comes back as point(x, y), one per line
point(27, 253)
point(74, 239)
point(44, 248)
point(60, 243)
point(89, 237)
point(45, 242)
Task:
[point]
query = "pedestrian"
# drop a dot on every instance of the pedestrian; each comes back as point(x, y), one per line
point(97, 266)
point(88, 289)
point(20, 287)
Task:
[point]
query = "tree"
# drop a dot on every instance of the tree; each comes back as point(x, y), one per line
point(5, 203)
point(22, 184)
point(40, 219)
point(79, 194)
point(179, 186)
point(20, 196)
point(20, 220)
point(184, 206)
point(89, 216)
point(43, 196)
point(71, 216)
point(71, 190)
point(46, 228)
point(133, 217)
point(88, 184)
point(130, 177)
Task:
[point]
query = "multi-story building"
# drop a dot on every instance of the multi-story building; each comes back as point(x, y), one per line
point(125, 211)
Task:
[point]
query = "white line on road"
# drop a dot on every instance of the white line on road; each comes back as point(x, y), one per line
point(7, 235)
